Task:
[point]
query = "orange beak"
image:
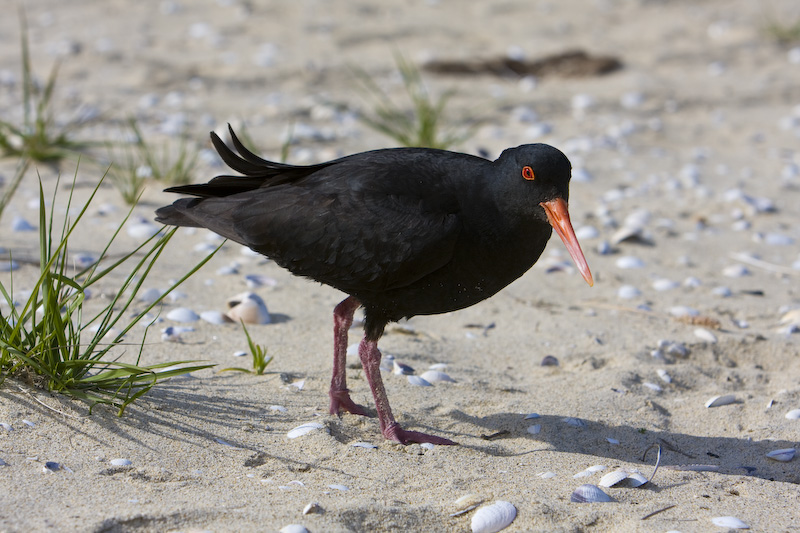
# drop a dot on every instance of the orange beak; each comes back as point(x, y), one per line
point(558, 216)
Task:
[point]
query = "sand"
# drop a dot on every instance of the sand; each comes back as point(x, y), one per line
point(696, 135)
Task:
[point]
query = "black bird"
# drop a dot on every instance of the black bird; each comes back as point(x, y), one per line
point(401, 231)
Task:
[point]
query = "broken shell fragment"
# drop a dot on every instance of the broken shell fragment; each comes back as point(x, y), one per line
point(249, 308)
point(589, 494)
point(718, 401)
point(301, 430)
point(730, 522)
point(494, 517)
point(312, 508)
point(623, 478)
point(784, 455)
point(466, 503)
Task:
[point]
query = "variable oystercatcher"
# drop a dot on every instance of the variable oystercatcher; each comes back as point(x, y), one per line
point(402, 231)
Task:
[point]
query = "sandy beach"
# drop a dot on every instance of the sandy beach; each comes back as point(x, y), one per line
point(685, 197)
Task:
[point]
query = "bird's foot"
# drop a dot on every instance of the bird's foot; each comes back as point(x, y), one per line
point(340, 401)
point(396, 433)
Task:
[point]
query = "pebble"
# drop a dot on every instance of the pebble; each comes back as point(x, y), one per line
point(629, 262)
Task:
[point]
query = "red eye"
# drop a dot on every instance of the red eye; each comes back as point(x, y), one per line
point(527, 173)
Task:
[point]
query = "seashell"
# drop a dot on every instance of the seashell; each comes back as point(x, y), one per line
point(784, 455)
point(664, 284)
point(28, 423)
point(653, 386)
point(8, 266)
point(401, 369)
point(228, 270)
point(794, 414)
point(682, 310)
point(629, 262)
point(170, 334)
point(612, 478)
point(722, 292)
point(535, 429)
point(574, 422)
point(612, 441)
point(434, 376)
point(665, 377)
point(215, 317)
point(367, 445)
point(586, 232)
point(494, 517)
point(294, 528)
point(312, 508)
point(735, 271)
point(51, 466)
point(546, 475)
point(705, 335)
point(120, 462)
point(150, 295)
point(338, 487)
point(581, 175)
point(19, 224)
point(249, 308)
point(427, 446)
point(531, 415)
point(204, 247)
point(6, 426)
point(677, 349)
point(258, 280)
point(631, 478)
point(142, 229)
point(3, 463)
point(466, 503)
point(730, 522)
point(589, 494)
point(438, 366)
point(791, 317)
point(278, 408)
point(419, 381)
point(718, 401)
point(301, 430)
point(628, 292)
point(633, 233)
point(604, 248)
point(183, 314)
point(692, 282)
point(549, 360)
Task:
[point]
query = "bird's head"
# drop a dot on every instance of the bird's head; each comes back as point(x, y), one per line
point(538, 176)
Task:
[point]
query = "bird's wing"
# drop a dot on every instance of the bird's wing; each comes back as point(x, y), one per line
point(353, 234)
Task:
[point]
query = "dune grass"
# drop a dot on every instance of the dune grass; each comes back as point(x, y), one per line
point(54, 340)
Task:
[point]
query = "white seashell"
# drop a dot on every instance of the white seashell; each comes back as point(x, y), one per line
point(628, 292)
point(338, 487)
point(19, 224)
point(589, 494)
point(6, 426)
point(427, 446)
point(466, 503)
point(653, 386)
point(682, 310)
point(215, 317)
point(612, 478)
point(794, 414)
point(312, 508)
point(171, 334)
point(28, 423)
point(150, 295)
point(301, 430)
point(3, 463)
point(367, 445)
point(665, 377)
point(419, 382)
point(294, 528)
point(612, 441)
point(401, 369)
point(581, 175)
point(586, 232)
point(692, 282)
point(535, 429)
point(142, 230)
point(228, 270)
point(494, 517)
point(120, 462)
point(735, 271)
point(574, 422)
point(718, 401)
point(784, 455)
point(596, 468)
point(546, 475)
point(249, 308)
point(8, 266)
point(278, 408)
point(531, 415)
point(629, 262)
point(722, 292)
point(434, 376)
point(438, 366)
point(664, 284)
point(705, 335)
point(257, 280)
point(183, 314)
point(730, 522)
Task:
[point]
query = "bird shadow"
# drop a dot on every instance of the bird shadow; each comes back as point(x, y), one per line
point(679, 451)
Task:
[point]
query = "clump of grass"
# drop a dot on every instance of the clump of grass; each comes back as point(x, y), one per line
point(422, 125)
point(37, 138)
point(259, 354)
point(784, 32)
point(54, 341)
point(138, 163)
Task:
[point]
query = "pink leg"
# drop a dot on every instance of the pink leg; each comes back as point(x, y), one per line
point(340, 396)
point(371, 360)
